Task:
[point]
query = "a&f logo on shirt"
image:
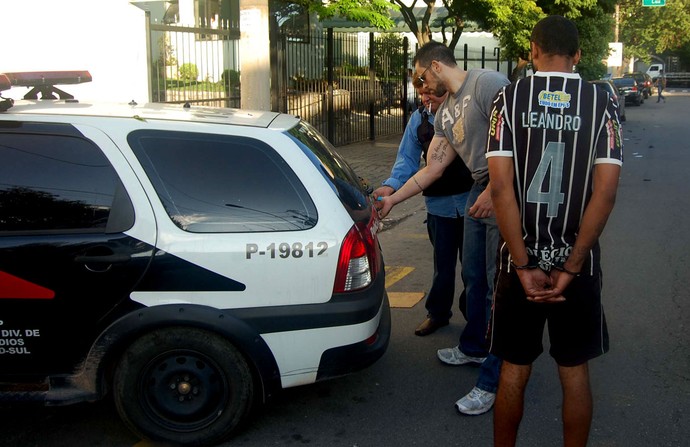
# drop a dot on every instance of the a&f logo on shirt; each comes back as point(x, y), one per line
point(456, 119)
point(559, 100)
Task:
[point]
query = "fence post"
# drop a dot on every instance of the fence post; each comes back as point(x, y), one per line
point(403, 100)
point(149, 55)
point(483, 56)
point(465, 56)
point(497, 53)
point(329, 64)
point(274, 52)
point(372, 89)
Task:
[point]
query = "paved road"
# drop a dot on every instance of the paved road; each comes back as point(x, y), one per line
point(642, 387)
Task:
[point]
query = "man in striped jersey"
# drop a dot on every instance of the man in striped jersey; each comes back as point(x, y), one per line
point(555, 154)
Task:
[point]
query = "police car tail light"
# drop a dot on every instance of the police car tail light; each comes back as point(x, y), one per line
point(359, 258)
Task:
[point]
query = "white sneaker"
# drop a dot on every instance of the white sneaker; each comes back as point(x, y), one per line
point(454, 356)
point(476, 402)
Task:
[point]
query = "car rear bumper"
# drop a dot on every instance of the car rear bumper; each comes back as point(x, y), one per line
point(354, 357)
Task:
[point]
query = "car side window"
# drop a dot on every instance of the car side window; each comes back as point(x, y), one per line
point(53, 183)
point(223, 184)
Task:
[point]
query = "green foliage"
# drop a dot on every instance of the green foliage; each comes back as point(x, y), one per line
point(654, 30)
point(389, 58)
point(230, 77)
point(511, 22)
point(166, 52)
point(374, 12)
point(596, 31)
point(189, 72)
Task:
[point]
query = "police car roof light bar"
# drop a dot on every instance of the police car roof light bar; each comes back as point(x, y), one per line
point(44, 82)
point(5, 83)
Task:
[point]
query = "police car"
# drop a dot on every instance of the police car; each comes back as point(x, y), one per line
point(190, 261)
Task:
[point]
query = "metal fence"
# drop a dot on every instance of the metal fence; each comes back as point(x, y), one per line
point(350, 86)
point(196, 65)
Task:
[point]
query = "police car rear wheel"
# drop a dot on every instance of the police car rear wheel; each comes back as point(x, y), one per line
point(183, 385)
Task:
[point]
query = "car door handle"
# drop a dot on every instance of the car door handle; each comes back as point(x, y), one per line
point(115, 258)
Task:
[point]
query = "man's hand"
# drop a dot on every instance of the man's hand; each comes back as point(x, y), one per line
point(483, 207)
point(384, 205)
point(539, 286)
point(382, 191)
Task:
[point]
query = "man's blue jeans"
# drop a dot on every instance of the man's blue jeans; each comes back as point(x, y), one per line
point(478, 273)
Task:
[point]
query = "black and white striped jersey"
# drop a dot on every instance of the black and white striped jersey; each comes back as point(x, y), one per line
point(556, 127)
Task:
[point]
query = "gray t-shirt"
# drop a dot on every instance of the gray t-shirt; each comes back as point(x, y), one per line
point(463, 118)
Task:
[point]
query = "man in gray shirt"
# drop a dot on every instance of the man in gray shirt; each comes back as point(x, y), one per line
point(461, 126)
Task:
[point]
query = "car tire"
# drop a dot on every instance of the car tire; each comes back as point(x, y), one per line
point(184, 386)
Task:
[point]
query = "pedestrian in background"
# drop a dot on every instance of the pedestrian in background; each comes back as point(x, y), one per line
point(445, 201)
point(660, 85)
point(460, 128)
point(555, 154)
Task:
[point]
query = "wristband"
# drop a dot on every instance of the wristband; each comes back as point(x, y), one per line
point(529, 266)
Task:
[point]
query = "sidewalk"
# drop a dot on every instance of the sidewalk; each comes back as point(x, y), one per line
point(373, 160)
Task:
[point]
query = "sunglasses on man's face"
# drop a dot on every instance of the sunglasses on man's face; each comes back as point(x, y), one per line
point(420, 79)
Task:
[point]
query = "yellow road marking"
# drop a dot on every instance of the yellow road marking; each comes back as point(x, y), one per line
point(404, 299)
point(401, 299)
point(395, 274)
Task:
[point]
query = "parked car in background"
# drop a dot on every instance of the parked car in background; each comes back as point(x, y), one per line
point(612, 90)
point(629, 89)
point(644, 80)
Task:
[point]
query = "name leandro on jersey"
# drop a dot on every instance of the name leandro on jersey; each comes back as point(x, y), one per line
point(555, 121)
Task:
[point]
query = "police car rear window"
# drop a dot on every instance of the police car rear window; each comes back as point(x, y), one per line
point(333, 166)
point(223, 184)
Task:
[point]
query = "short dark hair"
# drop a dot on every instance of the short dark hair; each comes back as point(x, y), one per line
point(556, 35)
point(434, 51)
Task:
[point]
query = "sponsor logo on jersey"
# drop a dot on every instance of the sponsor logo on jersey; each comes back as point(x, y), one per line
point(558, 99)
point(496, 123)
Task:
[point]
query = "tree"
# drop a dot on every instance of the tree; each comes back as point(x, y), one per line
point(374, 12)
point(459, 13)
point(654, 30)
point(511, 21)
point(596, 31)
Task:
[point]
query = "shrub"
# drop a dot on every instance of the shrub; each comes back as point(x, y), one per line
point(230, 77)
point(189, 72)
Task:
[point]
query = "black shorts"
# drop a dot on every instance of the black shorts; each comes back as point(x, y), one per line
point(577, 327)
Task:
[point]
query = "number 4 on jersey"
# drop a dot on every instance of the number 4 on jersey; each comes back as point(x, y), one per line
point(553, 158)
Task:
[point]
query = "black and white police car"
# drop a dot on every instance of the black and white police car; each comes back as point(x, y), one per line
point(191, 261)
